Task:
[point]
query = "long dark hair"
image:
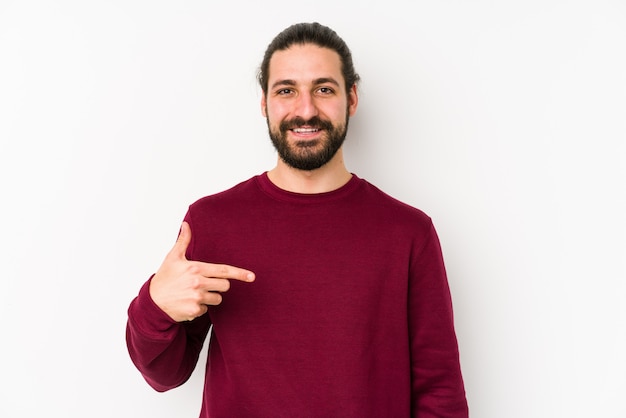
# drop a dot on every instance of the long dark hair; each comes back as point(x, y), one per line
point(309, 33)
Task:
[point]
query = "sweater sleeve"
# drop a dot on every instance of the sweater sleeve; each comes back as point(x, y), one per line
point(437, 384)
point(164, 351)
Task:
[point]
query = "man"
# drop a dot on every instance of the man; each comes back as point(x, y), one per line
point(326, 297)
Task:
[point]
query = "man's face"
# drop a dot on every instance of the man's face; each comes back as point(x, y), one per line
point(307, 106)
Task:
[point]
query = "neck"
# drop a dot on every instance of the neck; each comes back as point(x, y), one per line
point(327, 178)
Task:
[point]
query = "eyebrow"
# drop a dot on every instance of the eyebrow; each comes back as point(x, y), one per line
point(322, 80)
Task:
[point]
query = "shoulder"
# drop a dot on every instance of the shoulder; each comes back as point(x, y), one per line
point(382, 201)
point(400, 224)
point(233, 196)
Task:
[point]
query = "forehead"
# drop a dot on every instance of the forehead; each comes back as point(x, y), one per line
point(304, 63)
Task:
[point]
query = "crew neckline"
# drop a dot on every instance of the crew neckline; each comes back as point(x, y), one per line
point(277, 193)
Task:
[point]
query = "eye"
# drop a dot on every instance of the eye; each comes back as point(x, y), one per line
point(284, 92)
point(325, 90)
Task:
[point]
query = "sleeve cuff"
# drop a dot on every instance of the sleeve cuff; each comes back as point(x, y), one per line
point(147, 318)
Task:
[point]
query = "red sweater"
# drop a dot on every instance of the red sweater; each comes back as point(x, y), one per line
point(349, 316)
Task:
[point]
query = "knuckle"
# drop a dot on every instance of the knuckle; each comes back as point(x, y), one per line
point(193, 313)
point(223, 269)
point(193, 269)
point(197, 310)
point(196, 299)
point(195, 283)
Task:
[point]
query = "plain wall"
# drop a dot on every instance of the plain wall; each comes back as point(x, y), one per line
point(504, 121)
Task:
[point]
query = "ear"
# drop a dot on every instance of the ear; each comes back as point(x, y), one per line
point(353, 100)
point(263, 105)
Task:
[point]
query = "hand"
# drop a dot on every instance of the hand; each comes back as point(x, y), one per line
point(183, 289)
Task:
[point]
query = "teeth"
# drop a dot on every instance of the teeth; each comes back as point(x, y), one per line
point(305, 130)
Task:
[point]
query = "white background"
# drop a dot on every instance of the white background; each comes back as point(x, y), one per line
point(504, 121)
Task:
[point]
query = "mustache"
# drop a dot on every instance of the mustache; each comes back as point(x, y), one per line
point(298, 122)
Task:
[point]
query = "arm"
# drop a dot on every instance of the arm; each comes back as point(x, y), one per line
point(163, 350)
point(167, 324)
point(437, 385)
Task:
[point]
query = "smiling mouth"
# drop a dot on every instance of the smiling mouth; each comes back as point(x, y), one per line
point(305, 130)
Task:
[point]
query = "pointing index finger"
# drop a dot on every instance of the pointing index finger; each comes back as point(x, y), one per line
point(225, 271)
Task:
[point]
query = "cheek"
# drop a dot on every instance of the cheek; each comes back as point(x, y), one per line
point(338, 115)
point(275, 113)
point(336, 111)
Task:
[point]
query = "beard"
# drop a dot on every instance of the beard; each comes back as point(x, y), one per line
point(312, 154)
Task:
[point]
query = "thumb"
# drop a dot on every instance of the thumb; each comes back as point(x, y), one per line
point(182, 242)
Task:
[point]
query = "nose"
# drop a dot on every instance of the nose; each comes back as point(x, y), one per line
point(305, 106)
